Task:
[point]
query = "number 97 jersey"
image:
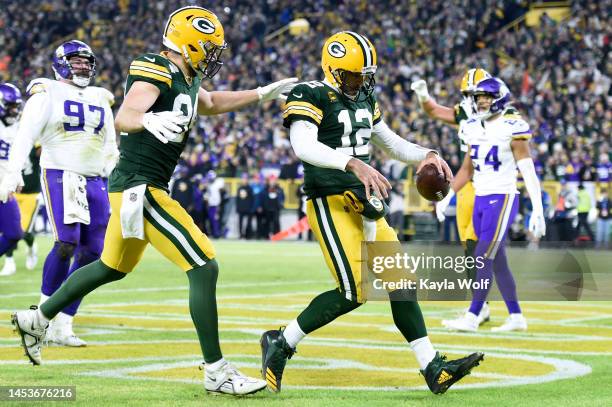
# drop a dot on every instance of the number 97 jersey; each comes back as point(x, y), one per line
point(344, 125)
point(76, 124)
point(491, 152)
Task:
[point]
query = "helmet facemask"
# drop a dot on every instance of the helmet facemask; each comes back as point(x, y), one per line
point(356, 94)
point(212, 62)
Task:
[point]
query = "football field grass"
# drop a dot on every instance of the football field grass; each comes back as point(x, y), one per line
point(142, 348)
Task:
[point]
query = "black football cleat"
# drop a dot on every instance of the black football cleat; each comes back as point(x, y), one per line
point(441, 374)
point(274, 354)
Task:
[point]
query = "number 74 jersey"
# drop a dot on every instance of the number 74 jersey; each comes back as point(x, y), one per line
point(76, 126)
point(491, 152)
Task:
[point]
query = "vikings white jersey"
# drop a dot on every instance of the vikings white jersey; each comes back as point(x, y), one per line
point(494, 165)
point(74, 125)
point(7, 135)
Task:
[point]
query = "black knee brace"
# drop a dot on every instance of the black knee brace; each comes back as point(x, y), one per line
point(65, 250)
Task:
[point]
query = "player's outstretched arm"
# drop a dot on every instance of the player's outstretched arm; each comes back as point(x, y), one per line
point(520, 150)
point(431, 108)
point(217, 102)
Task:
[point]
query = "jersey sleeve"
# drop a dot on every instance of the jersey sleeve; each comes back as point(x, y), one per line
point(108, 96)
point(302, 104)
point(520, 128)
point(151, 68)
point(38, 85)
point(376, 114)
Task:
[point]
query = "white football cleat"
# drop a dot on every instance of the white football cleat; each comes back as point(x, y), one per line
point(60, 332)
point(31, 327)
point(9, 268)
point(229, 380)
point(485, 314)
point(31, 257)
point(465, 323)
point(515, 322)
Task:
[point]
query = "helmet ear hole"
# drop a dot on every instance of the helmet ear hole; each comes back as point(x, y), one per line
point(192, 48)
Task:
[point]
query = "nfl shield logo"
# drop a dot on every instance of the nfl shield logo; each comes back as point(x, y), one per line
point(133, 197)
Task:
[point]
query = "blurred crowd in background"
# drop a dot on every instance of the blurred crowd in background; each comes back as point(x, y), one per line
point(558, 72)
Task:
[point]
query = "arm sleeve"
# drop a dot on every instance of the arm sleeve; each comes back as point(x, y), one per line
point(396, 146)
point(33, 120)
point(303, 136)
point(532, 184)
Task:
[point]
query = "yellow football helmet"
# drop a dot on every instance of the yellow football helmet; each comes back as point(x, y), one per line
point(347, 51)
point(471, 79)
point(197, 34)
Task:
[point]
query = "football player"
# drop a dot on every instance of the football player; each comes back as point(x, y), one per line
point(163, 100)
point(465, 197)
point(331, 124)
point(28, 200)
point(498, 141)
point(73, 123)
point(10, 224)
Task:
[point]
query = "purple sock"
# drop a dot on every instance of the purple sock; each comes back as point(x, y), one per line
point(6, 244)
point(480, 295)
point(505, 282)
point(82, 257)
point(55, 269)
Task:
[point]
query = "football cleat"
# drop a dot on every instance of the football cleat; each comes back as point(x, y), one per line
point(31, 257)
point(441, 374)
point(60, 332)
point(515, 322)
point(466, 323)
point(32, 331)
point(9, 267)
point(485, 314)
point(229, 380)
point(274, 354)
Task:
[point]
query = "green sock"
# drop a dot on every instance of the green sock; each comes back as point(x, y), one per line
point(28, 238)
point(203, 308)
point(9, 252)
point(79, 284)
point(408, 319)
point(323, 309)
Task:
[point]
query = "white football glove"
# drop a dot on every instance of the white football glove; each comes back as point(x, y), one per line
point(165, 126)
point(420, 88)
point(9, 184)
point(276, 90)
point(537, 224)
point(443, 204)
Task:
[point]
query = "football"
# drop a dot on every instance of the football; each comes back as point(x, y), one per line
point(430, 184)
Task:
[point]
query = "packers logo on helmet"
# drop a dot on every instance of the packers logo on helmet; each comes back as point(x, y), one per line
point(197, 34)
point(471, 78)
point(347, 53)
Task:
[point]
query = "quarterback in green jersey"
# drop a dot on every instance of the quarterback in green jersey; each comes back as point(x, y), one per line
point(163, 101)
point(331, 125)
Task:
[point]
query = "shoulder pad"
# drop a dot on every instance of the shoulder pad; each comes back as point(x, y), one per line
point(38, 85)
point(520, 128)
point(304, 102)
point(153, 67)
point(107, 95)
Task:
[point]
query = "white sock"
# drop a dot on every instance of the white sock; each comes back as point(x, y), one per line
point(43, 298)
point(293, 333)
point(211, 367)
point(423, 351)
point(63, 319)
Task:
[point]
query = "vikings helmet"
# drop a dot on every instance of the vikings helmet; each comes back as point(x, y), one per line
point(496, 88)
point(61, 62)
point(10, 103)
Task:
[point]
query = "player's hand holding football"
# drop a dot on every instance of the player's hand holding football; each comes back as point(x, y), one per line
point(276, 90)
point(370, 177)
point(443, 168)
point(165, 126)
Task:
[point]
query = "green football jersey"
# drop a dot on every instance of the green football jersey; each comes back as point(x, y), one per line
point(144, 159)
point(344, 125)
point(31, 173)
